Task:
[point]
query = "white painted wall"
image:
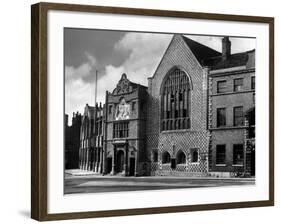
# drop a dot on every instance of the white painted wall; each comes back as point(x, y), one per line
point(15, 111)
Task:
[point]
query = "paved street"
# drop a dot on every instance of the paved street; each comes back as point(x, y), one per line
point(97, 183)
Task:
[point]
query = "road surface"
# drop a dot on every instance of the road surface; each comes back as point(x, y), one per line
point(98, 183)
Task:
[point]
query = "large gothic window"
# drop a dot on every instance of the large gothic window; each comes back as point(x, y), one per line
point(175, 101)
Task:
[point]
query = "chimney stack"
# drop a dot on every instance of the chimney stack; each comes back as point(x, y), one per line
point(226, 48)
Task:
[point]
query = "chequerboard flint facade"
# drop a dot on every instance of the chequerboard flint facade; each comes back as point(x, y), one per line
point(196, 117)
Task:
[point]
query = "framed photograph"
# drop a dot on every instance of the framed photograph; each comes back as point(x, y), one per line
point(139, 111)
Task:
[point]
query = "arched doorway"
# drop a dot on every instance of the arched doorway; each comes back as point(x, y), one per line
point(181, 158)
point(120, 161)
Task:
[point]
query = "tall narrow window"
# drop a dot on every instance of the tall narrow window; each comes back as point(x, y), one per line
point(166, 158)
point(175, 101)
point(194, 155)
point(110, 109)
point(221, 117)
point(238, 84)
point(133, 105)
point(155, 156)
point(221, 86)
point(238, 154)
point(238, 116)
point(253, 82)
point(220, 154)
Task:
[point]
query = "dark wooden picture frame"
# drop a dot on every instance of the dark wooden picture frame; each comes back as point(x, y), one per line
point(39, 105)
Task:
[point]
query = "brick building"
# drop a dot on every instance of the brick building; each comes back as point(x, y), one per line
point(177, 135)
point(195, 118)
point(124, 149)
point(231, 106)
point(91, 140)
point(72, 141)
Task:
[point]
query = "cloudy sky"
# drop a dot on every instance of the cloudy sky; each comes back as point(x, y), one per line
point(113, 53)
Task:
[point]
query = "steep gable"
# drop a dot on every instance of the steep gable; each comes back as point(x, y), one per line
point(200, 51)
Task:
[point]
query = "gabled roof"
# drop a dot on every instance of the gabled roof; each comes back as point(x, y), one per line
point(200, 51)
point(89, 111)
point(233, 60)
point(125, 86)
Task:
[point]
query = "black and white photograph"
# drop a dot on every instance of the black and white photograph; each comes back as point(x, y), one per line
point(154, 111)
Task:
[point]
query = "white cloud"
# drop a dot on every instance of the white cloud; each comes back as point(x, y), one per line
point(91, 59)
point(146, 51)
point(77, 91)
point(77, 94)
point(72, 73)
point(108, 81)
point(237, 44)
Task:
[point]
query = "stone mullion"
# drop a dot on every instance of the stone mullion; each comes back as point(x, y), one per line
point(185, 108)
point(164, 105)
point(173, 108)
point(100, 158)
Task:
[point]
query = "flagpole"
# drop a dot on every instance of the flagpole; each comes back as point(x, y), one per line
point(96, 88)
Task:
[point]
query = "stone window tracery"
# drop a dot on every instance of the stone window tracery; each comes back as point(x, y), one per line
point(175, 101)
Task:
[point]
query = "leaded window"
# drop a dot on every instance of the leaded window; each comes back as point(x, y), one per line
point(175, 101)
point(121, 130)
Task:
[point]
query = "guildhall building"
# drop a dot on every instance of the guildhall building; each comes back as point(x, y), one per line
point(196, 117)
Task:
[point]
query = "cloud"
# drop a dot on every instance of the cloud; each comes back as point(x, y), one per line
point(85, 71)
point(91, 59)
point(146, 51)
point(72, 73)
point(78, 89)
point(77, 94)
point(237, 44)
point(108, 81)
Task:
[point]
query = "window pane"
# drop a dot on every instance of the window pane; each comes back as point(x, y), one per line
point(221, 117)
point(238, 116)
point(175, 101)
point(238, 83)
point(133, 105)
point(166, 158)
point(221, 86)
point(220, 154)
point(121, 130)
point(238, 154)
point(253, 82)
point(181, 159)
point(194, 155)
point(155, 157)
point(110, 109)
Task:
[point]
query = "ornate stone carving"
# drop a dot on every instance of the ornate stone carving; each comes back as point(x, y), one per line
point(123, 110)
point(123, 85)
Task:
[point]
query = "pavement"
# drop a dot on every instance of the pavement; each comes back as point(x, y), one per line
point(77, 181)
